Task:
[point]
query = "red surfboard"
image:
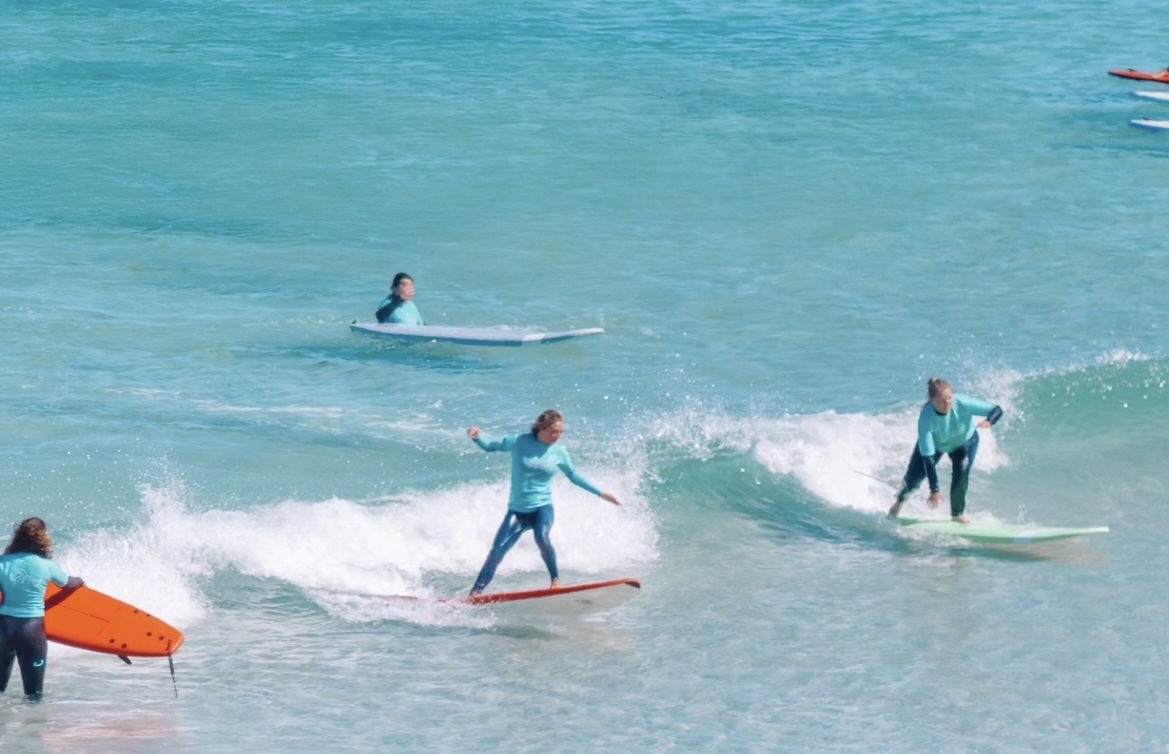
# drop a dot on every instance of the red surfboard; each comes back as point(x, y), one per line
point(602, 594)
point(88, 619)
point(1130, 73)
point(569, 601)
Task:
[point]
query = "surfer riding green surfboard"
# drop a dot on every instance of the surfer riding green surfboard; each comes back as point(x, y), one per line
point(947, 425)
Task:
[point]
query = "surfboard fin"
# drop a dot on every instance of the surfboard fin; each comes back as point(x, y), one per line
point(125, 659)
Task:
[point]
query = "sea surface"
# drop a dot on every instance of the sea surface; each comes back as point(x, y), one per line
point(786, 215)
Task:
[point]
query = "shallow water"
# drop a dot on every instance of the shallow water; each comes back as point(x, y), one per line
point(785, 218)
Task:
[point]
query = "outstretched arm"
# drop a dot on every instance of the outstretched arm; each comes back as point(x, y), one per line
point(574, 477)
point(489, 445)
point(992, 418)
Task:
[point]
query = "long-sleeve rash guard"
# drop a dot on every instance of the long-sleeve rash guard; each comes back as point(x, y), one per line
point(533, 465)
point(944, 433)
point(405, 313)
point(23, 578)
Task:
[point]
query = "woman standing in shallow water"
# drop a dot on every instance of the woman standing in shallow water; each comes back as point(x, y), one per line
point(946, 426)
point(535, 458)
point(26, 569)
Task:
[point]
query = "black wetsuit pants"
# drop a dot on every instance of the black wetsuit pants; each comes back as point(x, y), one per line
point(962, 459)
point(23, 640)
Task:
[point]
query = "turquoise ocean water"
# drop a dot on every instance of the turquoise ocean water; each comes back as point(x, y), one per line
point(786, 215)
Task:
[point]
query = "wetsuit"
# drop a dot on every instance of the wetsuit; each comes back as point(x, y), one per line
point(23, 579)
point(954, 434)
point(395, 311)
point(533, 466)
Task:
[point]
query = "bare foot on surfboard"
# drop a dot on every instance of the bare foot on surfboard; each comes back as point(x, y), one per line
point(961, 520)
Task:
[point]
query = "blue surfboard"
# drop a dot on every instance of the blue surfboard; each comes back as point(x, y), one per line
point(469, 336)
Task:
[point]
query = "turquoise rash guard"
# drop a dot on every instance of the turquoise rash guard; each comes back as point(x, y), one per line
point(23, 579)
point(944, 433)
point(405, 313)
point(533, 466)
point(941, 433)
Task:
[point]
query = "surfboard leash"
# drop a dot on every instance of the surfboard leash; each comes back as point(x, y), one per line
point(170, 658)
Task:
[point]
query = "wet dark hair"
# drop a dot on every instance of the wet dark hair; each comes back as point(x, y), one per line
point(383, 314)
point(548, 418)
point(31, 535)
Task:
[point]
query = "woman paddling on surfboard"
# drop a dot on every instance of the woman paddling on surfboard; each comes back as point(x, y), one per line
point(535, 458)
point(398, 307)
point(946, 426)
point(25, 573)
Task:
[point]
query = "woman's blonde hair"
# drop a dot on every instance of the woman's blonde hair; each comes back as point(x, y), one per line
point(546, 419)
point(937, 385)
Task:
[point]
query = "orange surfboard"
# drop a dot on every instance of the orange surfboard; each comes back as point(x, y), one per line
point(88, 619)
point(1129, 73)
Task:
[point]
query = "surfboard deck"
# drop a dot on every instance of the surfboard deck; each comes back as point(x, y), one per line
point(1151, 124)
point(1131, 73)
point(1146, 94)
point(88, 619)
point(989, 532)
point(603, 594)
point(469, 336)
point(568, 601)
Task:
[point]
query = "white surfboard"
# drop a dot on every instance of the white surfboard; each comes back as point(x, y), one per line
point(1162, 96)
point(1151, 124)
point(469, 336)
point(995, 533)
